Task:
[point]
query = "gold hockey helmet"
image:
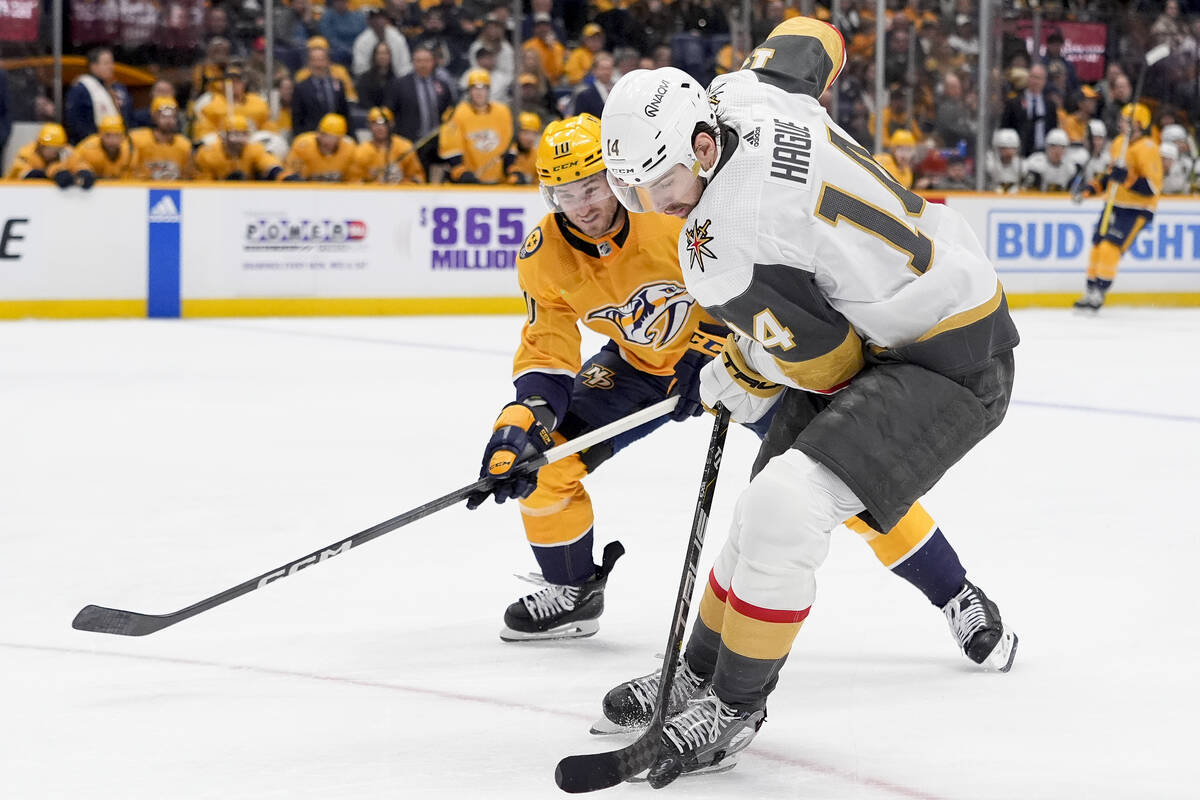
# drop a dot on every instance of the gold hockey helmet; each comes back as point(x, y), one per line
point(570, 150)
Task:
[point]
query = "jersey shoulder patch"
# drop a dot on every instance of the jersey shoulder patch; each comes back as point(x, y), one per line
point(532, 242)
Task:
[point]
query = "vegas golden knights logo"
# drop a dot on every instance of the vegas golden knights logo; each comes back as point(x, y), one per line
point(652, 317)
point(697, 240)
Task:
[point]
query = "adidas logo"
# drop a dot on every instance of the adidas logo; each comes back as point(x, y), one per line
point(752, 137)
point(165, 210)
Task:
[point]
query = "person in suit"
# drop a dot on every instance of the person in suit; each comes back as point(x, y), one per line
point(591, 99)
point(1031, 113)
point(320, 93)
point(419, 102)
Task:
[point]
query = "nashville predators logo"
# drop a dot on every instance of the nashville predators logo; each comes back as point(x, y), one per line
point(532, 242)
point(652, 317)
point(697, 244)
point(484, 140)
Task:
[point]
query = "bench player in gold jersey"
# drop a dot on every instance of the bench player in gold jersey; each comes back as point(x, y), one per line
point(326, 154)
point(590, 261)
point(386, 157)
point(161, 152)
point(107, 154)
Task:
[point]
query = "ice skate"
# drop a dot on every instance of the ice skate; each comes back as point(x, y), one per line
point(629, 706)
point(561, 612)
point(702, 737)
point(1092, 300)
point(976, 625)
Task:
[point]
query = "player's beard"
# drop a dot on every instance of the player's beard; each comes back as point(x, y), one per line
point(598, 219)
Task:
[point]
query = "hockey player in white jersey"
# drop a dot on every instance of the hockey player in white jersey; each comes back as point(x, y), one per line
point(1180, 177)
point(871, 321)
point(1002, 164)
point(1099, 157)
point(1055, 169)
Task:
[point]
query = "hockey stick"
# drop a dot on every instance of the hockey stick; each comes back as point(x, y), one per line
point(1153, 56)
point(100, 619)
point(592, 771)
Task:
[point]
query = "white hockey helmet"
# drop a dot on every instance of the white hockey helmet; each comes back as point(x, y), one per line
point(1173, 133)
point(1096, 128)
point(1168, 150)
point(1057, 137)
point(1006, 137)
point(647, 126)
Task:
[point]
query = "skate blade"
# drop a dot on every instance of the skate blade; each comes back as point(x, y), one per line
point(724, 765)
point(606, 727)
point(580, 629)
point(1003, 654)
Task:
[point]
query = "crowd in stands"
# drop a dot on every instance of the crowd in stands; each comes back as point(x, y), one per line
point(435, 90)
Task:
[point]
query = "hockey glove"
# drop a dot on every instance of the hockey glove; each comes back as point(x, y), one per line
point(687, 385)
point(517, 437)
point(1118, 174)
point(467, 177)
point(87, 178)
point(728, 381)
point(64, 179)
point(35, 175)
point(236, 175)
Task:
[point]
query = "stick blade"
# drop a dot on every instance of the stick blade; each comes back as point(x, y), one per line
point(593, 771)
point(99, 619)
point(1157, 54)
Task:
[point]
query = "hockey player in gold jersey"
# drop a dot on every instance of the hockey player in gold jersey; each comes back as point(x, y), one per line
point(477, 136)
point(326, 154)
point(48, 156)
point(161, 152)
point(386, 157)
point(591, 262)
point(250, 105)
point(1138, 183)
point(233, 157)
point(106, 154)
point(520, 164)
point(899, 158)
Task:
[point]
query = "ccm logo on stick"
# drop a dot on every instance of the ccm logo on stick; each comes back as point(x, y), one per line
point(292, 569)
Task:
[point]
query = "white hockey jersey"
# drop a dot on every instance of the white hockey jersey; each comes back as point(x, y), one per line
point(805, 246)
point(1043, 176)
point(1178, 179)
point(1003, 177)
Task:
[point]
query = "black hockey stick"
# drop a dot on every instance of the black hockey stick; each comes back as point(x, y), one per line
point(592, 771)
point(99, 619)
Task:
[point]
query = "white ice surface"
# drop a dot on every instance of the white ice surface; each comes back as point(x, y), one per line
point(147, 465)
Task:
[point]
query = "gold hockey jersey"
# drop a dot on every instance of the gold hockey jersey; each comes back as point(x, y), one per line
point(306, 160)
point(91, 155)
point(28, 159)
point(154, 160)
point(213, 163)
point(627, 286)
point(1143, 161)
point(480, 138)
point(397, 163)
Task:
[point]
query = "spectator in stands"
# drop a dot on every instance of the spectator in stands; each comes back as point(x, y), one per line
point(730, 57)
point(5, 114)
point(486, 61)
point(704, 16)
point(341, 25)
point(1002, 164)
point(321, 91)
point(420, 102)
point(591, 100)
point(1108, 88)
point(625, 61)
point(898, 160)
point(326, 154)
point(1054, 57)
point(211, 108)
point(530, 98)
point(160, 152)
point(896, 116)
point(546, 7)
point(95, 95)
point(519, 165)
point(294, 26)
point(1030, 113)
point(1075, 124)
point(952, 122)
point(1175, 178)
point(207, 76)
point(47, 157)
point(448, 44)
point(579, 62)
point(1120, 93)
point(477, 136)
point(377, 86)
point(281, 120)
point(551, 54)
point(105, 155)
point(233, 157)
point(492, 37)
point(661, 56)
point(956, 178)
point(386, 157)
point(774, 13)
point(1169, 29)
point(380, 30)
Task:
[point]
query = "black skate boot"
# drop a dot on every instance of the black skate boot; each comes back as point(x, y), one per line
point(561, 612)
point(976, 625)
point(631, 705)
point(702, 737)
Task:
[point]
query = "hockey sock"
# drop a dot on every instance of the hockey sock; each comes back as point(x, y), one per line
point(1103, 260)
point(705, 639)
point(567, 564)
point(755, 643)
point(916, 551)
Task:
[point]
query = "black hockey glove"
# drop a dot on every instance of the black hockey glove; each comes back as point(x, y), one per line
point(687, 385)
point(517, 437)
point(468, 177)
point(1118, 174)
point(34, 175)
point(64, 178)
point(236, 175)
point(87, 178)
